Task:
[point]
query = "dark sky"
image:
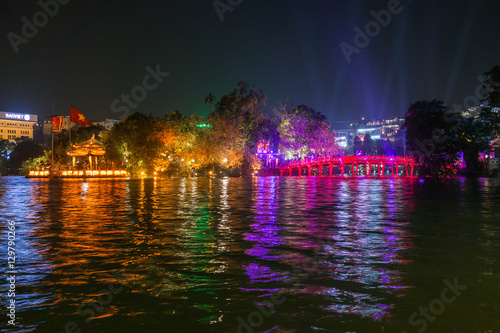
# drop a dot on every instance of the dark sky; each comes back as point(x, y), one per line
point(92, 52)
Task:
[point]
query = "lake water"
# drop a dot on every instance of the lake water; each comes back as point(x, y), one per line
point(308, 254)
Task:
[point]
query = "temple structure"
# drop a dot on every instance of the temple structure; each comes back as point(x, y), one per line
point(91, 149)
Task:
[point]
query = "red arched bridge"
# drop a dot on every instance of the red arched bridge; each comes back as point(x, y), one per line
point(353, 166)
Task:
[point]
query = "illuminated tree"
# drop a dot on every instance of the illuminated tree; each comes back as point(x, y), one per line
point(227, 143)
point(136, 143)
point(294, 131)
point(35, 163)
point(243, 106)
point(309, 113)
point(303, 131)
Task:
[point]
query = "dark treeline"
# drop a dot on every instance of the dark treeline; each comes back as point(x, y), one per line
point(440, 136)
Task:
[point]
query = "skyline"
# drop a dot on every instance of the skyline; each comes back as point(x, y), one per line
point(91, 55)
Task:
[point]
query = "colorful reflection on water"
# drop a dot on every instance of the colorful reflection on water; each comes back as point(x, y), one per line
point(359, 235)
point(209, 255)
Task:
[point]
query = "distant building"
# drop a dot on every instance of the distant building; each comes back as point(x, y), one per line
point(472, 112)
point(386, 128)
point(106, 123)
point(475, 112)
point(345, 132)
point(17, 125)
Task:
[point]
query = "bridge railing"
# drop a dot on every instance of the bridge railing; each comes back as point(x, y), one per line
point(349, 160)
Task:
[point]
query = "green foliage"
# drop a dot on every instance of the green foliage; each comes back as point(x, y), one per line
point(23, 151)
point(135, 143)
point(34, 163)
point(239, 124)
point(293, 140)
point(303, 131)
point(243, 106)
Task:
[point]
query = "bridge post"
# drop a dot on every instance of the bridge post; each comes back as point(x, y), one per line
point(309, 167)
point(392, 169)
point(341, 170)
point(281, 172)
point(368, 169)
point(330, 169)
point(383, 167)
point(406, 169)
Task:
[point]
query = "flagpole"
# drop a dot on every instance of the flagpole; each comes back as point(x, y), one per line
point(69, 127)
point(52, 163)
point(52, 132)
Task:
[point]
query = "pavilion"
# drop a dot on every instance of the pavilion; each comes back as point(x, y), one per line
point(91, 149)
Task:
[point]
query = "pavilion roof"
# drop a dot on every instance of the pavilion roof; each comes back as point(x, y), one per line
point(90, 147)
point(89, 143)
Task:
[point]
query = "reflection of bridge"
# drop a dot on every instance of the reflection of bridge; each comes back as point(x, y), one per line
point(370, 165)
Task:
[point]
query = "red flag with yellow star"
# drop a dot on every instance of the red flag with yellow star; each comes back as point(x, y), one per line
point(77, 117)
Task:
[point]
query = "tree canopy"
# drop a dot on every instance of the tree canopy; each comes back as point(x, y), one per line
point(304, 131)
point(23, 151)
point(431, 137)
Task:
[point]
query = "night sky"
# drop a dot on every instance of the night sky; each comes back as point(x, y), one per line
point(92, 52)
